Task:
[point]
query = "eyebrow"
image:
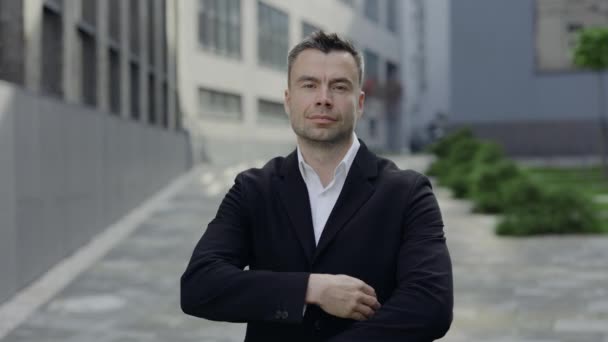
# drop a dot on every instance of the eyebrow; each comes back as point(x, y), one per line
point(341, 80)
point(306, 78)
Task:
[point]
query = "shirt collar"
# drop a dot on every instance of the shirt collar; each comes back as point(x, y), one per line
point(344, 164)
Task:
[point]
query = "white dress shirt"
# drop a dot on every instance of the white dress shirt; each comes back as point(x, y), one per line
point(323, 199)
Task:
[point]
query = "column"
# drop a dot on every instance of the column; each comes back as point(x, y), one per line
point(32, 22)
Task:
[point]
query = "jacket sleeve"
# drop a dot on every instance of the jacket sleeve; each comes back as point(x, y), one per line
point(215, 285)
point(420, 308)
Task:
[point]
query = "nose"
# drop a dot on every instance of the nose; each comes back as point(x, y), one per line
point(324, 98)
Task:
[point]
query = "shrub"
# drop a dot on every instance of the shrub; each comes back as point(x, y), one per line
point(488, 153)
point(472, 168)
point(560, 211)
point(489, 183)
point(458, 180)
point(437, 168)
point(521, 191)
point(443, 165)
point(444, 146)
point(449, 151)
point(457, 167)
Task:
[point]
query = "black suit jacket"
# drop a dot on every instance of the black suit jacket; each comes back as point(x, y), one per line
point(385, 229)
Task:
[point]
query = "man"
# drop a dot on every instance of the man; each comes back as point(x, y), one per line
point(341, 245)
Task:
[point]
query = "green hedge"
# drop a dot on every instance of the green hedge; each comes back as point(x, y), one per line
point(458, 166)
point(490, 182)
point(561, 211)
point(444, 146)
point(480, 171)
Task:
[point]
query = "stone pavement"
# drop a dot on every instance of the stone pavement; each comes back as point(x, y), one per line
point(533, 289)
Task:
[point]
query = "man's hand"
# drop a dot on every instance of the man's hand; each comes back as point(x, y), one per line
point(342, 296)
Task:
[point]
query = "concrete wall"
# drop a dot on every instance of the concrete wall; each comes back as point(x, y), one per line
point(538, 138)
point(438, 43)
point(495, 84)
point(426, 41)
point(66, 173)
point(7, 198)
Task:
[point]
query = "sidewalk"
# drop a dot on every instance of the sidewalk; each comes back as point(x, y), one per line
point(534, 289)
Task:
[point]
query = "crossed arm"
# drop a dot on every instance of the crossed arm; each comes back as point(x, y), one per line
point(215, 286)
point(420, 309)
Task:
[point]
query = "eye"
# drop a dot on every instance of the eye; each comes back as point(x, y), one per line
point(341, 87)
point(308, 85)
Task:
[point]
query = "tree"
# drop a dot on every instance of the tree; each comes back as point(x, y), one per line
point(591, 52)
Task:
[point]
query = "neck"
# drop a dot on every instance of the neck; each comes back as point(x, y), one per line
point(324, 157)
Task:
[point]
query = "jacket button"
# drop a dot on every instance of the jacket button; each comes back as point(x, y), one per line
point(278, 314)
point(317, 325)
point(285, 315)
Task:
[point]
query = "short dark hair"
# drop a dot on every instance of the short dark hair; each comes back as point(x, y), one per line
point(325, 43)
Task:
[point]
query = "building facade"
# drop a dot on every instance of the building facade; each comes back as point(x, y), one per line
point(232, 60)
point(504, 68)
point(109, 55)
point(89, 123)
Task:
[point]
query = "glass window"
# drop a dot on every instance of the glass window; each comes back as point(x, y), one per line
point(222, 26)
point(151, 32)
point(89, 12)
point(219, 26)
point(392, 71)
point(135, 89)
point(134, 26)
point(371, 10)
point(371, 70)
point(88, 62)
point(371, 65)
point(350, 3)
point(12, 62)
point(308, 29)
point(234, 33)
point(391, 15)
point(163, 32)
point(271, 112)
point(152, 110)
point(114, 20)
point(218, 104)
point(55, 5)
point(114, 83)
point(165, 104)
point(52, 50)
point(373, 128)
point(273, 36)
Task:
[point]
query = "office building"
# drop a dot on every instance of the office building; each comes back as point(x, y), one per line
point(232, 61)
point(89, 123)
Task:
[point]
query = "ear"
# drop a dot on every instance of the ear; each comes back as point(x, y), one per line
point(286, 101)
point(360, 104)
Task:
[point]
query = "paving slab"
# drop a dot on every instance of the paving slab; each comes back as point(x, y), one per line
point(540, 289)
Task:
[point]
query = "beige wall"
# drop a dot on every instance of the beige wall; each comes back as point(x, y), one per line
point(198, 68)
point(556, 21)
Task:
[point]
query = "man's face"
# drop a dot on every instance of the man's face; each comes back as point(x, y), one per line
point(324, 99)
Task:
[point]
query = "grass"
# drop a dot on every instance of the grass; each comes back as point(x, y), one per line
point(589, 180)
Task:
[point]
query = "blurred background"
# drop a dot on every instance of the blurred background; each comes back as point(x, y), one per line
point(111, 107)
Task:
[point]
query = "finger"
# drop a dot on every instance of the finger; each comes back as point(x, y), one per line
point(358, 316)
point(365, 310)
point(368, 290)
point(370, 301)
point(377, 305)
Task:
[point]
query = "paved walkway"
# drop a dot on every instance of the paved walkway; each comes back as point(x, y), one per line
point(534, 289)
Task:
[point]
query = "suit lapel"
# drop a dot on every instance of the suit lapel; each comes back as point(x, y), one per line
point(356, 191)
point(294, 195)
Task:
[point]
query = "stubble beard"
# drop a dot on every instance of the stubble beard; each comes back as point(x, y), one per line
point(334, 139)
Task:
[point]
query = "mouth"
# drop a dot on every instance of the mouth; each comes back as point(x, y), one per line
point(322, 118)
